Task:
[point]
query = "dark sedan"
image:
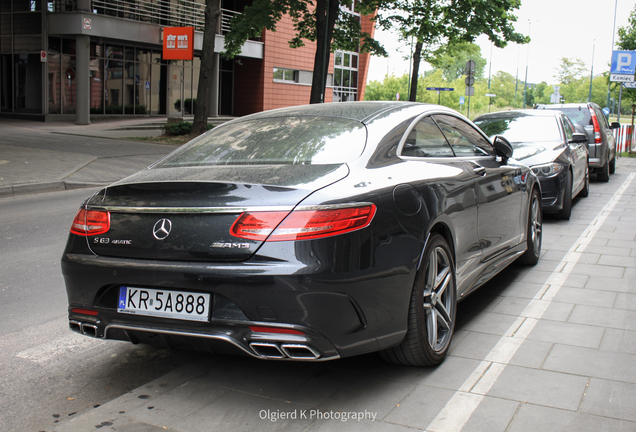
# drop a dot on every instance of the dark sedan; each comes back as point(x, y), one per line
point(547, 141)
point(305, 233)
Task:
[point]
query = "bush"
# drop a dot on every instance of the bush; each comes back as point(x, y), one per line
point(189, 106)
point(181, 128)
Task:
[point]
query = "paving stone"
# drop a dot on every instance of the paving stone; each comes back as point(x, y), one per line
point(625, 301)
point(603, 317)
point(356, 426)
point(511, 306)
point(541, 387)
point(589, 362)
point(475, 345)
point(489, 322)
point(585, 297)
point(586, 257)
point(623, 341)
point(533, 418)
point(614, 260)
point(598, 270)
point(522, 289)
point(567, 333)
point(611, 399)
point(610, 284)
point(558, 311)
point(492, 415)
point(531, 354)
point(420, 407)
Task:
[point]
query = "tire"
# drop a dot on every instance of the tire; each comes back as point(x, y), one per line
point(585, 192)
point(612, 166)
point(432, 309)
point(603, 175)
point(534, 233)
point(566, 210)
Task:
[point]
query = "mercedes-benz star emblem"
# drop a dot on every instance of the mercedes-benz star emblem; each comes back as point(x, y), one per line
point(162, 229)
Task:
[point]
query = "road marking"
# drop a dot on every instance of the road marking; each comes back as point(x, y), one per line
point(465, 401)
point(58, 348)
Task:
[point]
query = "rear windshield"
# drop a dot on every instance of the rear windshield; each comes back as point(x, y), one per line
point(521, 128)
point(278, 140)
point(578, 115)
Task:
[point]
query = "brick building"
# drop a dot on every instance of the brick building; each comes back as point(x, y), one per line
point(77, 59)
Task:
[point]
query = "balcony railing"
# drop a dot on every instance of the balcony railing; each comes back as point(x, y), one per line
point(175, 13)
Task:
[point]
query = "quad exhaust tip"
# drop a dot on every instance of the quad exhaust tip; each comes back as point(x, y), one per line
point(284, 351)
point(87, 329)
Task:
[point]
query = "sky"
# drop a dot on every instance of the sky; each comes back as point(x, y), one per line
point(578, 29)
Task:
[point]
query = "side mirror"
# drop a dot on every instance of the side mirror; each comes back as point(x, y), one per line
point(578, 138)
point(616, 125)
point(503, 147)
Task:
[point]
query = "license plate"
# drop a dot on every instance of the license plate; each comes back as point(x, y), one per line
point(164, 303)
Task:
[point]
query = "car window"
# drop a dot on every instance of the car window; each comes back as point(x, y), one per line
point(465, 140)
point(426, 140)
point(276, 140)
point(568, 127)
point(521, 128)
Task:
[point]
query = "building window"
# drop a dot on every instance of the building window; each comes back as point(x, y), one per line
point(286, 75)
point(345, 76)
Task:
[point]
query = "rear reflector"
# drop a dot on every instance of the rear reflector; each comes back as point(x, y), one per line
point(85, 312)
point(90, 222)
point(302, 224)
point(276, 330)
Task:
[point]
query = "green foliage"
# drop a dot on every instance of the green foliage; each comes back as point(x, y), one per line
point(189, 106)
point(181, 128)
point(452, 60)
point(265, 14)
point(627, 41)
point(570, 71)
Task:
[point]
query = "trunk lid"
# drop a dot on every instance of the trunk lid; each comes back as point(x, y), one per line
point(185, 214)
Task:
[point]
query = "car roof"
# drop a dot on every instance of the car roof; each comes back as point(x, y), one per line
point(363, 112)
point(517, 113)
point(566, 105)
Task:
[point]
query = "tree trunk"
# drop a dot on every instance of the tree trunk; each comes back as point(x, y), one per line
point(416, 69)
point(323, 47)
point(206, 71)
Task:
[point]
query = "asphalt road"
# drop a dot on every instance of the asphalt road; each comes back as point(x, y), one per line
point(48, 372)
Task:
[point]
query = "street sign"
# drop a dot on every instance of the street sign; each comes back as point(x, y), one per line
point(469, 80)
point(147, 85)
point(461, 100)
point(470, 91)
point(470, 67)
point(623, 62)
point(621, 78)
point(440, 88)
point(43, 55)
point(490, 95)
point(630, 85)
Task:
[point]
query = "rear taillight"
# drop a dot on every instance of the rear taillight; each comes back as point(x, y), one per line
point(597, 128)
point(275, 330)
point(90, 222)
point(302, 224)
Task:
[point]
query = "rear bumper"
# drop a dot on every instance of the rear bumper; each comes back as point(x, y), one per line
point(337, 314)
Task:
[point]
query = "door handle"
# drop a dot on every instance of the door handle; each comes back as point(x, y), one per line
point(480, 171)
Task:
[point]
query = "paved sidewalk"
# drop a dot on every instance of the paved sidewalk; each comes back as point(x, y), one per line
point(43, 157)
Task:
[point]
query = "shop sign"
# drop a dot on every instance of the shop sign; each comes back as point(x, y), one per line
point(178, 43)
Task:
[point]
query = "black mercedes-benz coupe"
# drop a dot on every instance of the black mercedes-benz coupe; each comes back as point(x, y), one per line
point(305, 233)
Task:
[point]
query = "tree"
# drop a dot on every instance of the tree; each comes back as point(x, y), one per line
point(212, 14)
point(432, 23)
point(452, 60)
point(570, 70)
point(325, 23)
point(627, 41)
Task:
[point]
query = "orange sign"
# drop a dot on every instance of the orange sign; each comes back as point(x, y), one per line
point(178, 43)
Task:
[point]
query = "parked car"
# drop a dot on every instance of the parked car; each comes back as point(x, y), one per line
point(548, 143)
point(601, 142)
point(305, 233)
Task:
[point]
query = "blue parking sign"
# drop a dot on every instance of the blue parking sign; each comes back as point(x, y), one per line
point(623, 62)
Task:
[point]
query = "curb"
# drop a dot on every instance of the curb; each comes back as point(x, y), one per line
point(33, 188)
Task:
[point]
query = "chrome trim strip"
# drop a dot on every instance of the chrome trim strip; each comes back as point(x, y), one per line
point(222, 210)
point(220, 337)
point(179, 210)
